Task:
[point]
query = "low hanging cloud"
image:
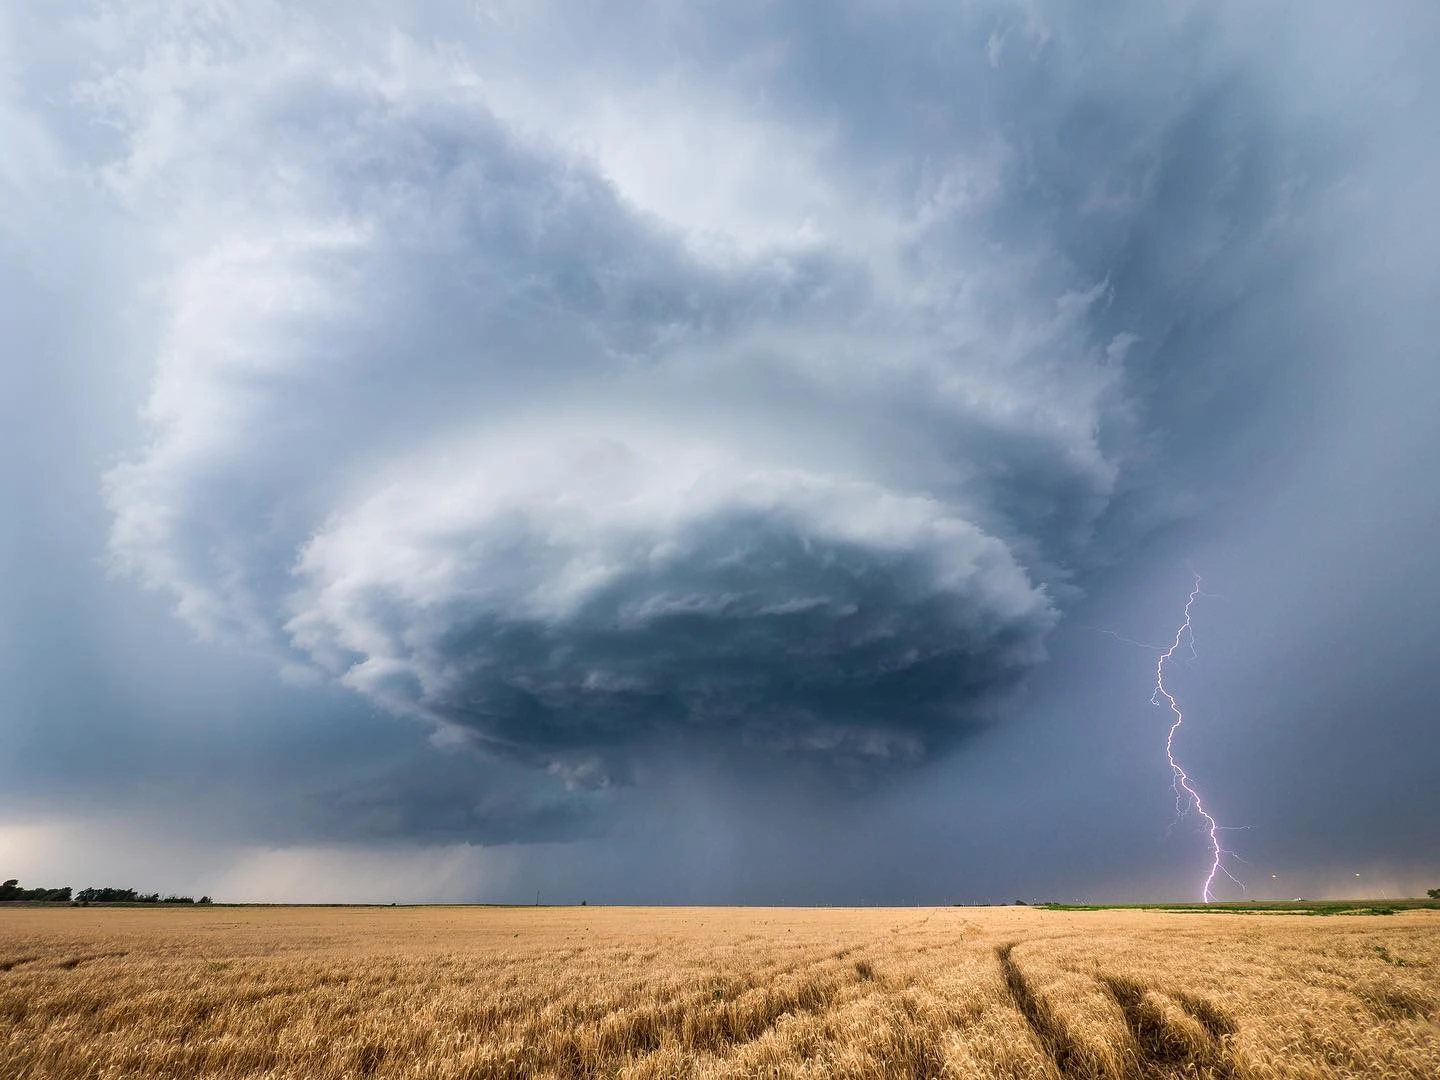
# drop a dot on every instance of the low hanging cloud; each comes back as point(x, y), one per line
point(587, 592)
point(490, 401)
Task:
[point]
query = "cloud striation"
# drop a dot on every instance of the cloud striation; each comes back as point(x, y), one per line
point(584, 403)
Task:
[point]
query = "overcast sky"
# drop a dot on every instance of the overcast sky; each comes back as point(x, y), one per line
point(693, 452)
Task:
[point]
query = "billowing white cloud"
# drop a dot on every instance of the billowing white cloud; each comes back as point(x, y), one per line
point(567, 588)
point(546, 429)
point(577, 391)
point(659, 391)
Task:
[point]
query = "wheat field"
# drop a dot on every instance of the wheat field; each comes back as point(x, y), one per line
point(318, 993)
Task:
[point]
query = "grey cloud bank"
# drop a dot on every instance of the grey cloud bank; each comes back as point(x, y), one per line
point(725, 398)
point(447, 416)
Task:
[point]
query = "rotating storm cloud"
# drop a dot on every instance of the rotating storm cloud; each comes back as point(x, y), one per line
point(728, 403)
point(446, 412)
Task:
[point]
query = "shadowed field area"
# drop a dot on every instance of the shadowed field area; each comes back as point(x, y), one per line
point(447, 993)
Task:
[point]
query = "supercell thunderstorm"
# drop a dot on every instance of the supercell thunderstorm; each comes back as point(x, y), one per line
point(495, 403)
point(459, 413)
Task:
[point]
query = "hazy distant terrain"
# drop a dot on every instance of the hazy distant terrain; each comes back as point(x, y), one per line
point(715, 992)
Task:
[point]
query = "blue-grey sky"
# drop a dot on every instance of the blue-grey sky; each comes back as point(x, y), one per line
point(455, 450)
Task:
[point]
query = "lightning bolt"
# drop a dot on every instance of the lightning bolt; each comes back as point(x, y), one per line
point(1184, 786)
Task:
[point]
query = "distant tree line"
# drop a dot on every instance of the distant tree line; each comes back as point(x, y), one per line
point(11, 890)
point(108, 894)
point(1434, 894)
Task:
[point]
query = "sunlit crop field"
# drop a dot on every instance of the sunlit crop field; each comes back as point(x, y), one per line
point(568, 992)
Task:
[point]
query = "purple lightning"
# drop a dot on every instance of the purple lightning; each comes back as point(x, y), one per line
point(1186, 634)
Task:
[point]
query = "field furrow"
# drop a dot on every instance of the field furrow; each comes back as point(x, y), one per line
point(452, 993)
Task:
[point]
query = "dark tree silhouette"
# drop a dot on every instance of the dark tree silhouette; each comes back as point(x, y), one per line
point(11, 890)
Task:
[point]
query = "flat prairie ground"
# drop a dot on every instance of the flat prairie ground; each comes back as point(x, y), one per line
point(318, 993)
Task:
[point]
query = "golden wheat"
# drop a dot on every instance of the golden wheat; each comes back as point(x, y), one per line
point(442, 993)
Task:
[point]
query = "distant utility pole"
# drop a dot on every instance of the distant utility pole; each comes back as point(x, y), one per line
point(537, 897)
